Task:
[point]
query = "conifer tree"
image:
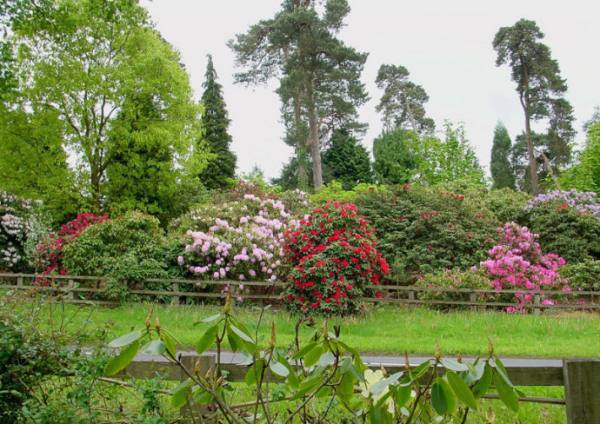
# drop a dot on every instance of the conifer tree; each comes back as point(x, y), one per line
point(500, 166)
point(215, 122)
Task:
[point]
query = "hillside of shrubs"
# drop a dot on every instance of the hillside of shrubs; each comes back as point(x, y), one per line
point(329, 249)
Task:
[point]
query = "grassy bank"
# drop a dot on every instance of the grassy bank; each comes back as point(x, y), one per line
point(388, 330)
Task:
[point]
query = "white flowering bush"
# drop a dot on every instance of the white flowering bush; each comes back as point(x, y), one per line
point(15, 227)
point(239, 240)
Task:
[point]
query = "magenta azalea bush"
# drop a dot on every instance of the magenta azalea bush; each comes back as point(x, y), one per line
point(239, 240)
point(517, 263)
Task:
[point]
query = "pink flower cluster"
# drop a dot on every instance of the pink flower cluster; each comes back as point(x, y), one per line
point(246, 246)
point(517, 263)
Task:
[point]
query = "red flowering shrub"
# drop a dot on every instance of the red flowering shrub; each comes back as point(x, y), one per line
point(333, 255)
point(49, 252)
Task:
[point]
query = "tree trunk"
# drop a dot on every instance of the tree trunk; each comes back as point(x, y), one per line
point(95, 177)
point(313, 136)
point(531, 155)
point(300, 146)
point(524, 98)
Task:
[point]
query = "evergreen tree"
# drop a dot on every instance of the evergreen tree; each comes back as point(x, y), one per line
point(500, 166)
point(346, 161)
point(540, 88)
point(403, 101)
point(320, 86)
point(220, 170)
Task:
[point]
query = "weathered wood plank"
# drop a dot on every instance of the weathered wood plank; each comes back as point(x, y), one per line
point(582, 391)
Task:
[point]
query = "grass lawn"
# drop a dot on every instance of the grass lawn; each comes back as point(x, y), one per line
point(386, 330)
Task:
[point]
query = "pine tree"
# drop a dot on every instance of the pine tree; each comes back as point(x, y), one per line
point(540, 88)
point(500, 166)
point(320, 87)
point(215, 122)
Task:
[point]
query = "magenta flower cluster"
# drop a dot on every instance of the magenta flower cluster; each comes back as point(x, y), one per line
point(246, 246)
point(517, 263)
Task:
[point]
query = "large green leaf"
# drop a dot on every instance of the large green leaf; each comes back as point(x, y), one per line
point(279, 369)
point(300, 354)
point(484, 383)
point(438, 398)
point(169, 344)
point(313, 355)
point(154, 347)
point(462, 391)
point(211, 318)
point(181, 393)
point(123, 359)
point(207, 339)
point(241, 334)
point(125, 340)
point(379, 387)
point(454, 365)
point(506, 393)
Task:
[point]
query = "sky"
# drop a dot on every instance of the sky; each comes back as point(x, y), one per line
point(445, 45)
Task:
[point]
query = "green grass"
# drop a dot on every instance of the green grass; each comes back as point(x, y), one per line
point(387, 330)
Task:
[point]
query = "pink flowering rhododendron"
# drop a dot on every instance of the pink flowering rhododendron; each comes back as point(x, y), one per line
point(517, 263)
point(244, 243)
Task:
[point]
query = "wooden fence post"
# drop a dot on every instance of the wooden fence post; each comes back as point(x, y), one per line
point(536, 302)
point(582, 390)
point(175, 299)
point(20, 281)
point(70, 286)
point(201, 364)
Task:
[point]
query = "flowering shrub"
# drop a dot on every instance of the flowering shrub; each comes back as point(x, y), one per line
point(584, 202)
point(423, 230)
point(238, 240)
point(49, 252)
point(518, 263)
point(334, 257)
point(15, 226)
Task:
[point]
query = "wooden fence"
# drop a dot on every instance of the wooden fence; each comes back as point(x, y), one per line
point(579, 377)
point(91, 289)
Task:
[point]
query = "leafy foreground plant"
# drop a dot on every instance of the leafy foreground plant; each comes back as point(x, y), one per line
point(318, 380)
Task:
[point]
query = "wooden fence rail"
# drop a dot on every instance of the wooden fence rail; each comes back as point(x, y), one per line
point(579, 377)
point(91, 289)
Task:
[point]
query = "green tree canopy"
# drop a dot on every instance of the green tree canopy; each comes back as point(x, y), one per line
point(100, 67)
point(500, 165)
point(346, 161)
point(394, 153)
point(585, 175)
point(540, 88)
point(320, 86)
point(221, 169)
point(403, 102)
point(447, 160)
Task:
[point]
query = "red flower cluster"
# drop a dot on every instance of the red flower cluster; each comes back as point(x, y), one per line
point(334, 257)
point(49, 252)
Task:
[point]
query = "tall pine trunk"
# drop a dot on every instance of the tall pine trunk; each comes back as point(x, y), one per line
point(524, 98)
point(313, 136)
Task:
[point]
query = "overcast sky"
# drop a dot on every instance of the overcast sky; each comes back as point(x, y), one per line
point(445, 45)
